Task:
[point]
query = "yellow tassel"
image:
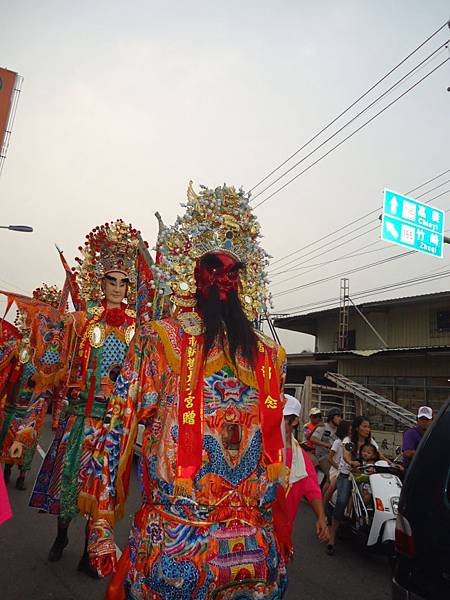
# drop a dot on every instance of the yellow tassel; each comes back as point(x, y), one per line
point(275, 472)
point(183, 487)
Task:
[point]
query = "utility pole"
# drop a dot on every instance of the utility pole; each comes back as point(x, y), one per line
point(343, 314)
point(344, 310)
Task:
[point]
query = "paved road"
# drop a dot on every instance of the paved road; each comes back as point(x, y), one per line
point(25, 574)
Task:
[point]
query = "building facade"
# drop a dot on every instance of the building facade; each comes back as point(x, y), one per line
point(411, 368)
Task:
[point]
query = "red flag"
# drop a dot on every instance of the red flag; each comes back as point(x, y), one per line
point(70, 286)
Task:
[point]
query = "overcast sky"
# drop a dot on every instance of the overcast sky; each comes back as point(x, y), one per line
point(124, 102)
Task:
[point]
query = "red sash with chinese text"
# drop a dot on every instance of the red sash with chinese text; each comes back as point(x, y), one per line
point(271, 413)
point(190, 414)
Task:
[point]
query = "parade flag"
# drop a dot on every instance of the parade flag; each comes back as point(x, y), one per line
point(7, 84)
point(70, 286)
point(145, 285)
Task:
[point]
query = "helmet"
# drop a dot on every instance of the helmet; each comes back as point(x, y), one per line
point(333, 412)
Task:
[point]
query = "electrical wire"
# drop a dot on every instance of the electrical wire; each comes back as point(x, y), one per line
point(294, 261)
point(432, 190)
point(331, 243)
point(345, 226)
point(352, 254)
point(371, 88)
point(355, 270)
point(295, 276)
point(336, 146)
point(429, 181)
point(352, 120)
point(351, 272)
point(331, 302)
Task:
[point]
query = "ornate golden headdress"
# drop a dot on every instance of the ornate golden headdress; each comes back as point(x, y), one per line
point(50, 294)
point(219, 220)
point(108, 248)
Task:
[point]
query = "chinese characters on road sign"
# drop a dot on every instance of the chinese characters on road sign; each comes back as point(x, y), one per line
point(412, 224)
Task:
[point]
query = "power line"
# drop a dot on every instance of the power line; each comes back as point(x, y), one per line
point(349, 107)
point(329, 278)
point(364, 233)
point(338, 231)
point(315, 303)
point(331, 242)
point(372, 212)
point(334, 246)
point(351, 134)
point(331, 302)
point(355, 270)
point(352, 120)
point(352, 254)
point(427, 182)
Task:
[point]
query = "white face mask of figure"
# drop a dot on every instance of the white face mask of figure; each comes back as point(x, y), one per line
point(114, 286)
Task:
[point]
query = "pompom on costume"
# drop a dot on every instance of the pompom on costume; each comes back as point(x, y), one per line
point(212, 459)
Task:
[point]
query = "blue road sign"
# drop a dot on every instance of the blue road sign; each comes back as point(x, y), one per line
point(412, 224)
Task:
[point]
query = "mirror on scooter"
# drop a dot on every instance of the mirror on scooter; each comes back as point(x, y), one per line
point(398, 450)
point(349, 446)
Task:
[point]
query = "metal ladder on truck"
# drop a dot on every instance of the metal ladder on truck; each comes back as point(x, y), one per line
point(404, 416)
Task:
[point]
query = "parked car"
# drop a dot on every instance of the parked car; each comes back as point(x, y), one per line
point(422, 564)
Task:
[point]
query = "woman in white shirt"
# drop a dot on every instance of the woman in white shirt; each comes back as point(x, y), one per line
point(334, 458)
point(360, 435)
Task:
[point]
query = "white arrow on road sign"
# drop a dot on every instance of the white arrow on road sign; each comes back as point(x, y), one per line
point(394, 205)
point(390, 227)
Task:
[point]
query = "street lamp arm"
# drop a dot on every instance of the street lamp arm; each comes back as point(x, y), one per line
point(23, 228)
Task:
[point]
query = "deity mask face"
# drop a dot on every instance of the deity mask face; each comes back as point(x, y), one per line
point(114, 286)
point(217, 269)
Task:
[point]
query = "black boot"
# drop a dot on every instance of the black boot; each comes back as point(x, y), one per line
point(7, 473)
point(60, 542)
point(56, 550)
point(20, 483)
point(84, 566)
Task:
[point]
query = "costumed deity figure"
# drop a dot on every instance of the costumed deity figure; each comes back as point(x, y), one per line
point(207, 386)
point(38, 368)
point(101, 334)
point(10, 338)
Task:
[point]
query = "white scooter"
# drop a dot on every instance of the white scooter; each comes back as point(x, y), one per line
point(375, 524)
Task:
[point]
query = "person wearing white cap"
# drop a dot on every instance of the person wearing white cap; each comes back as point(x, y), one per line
point(301, 476)
point(412, 437)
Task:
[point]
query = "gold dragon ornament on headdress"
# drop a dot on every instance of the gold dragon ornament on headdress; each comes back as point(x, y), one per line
point(50, 295)
point(112, 247)
point(219, 220)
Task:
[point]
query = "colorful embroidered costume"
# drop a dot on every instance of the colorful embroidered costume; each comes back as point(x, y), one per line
point(212, 454)
point(39, 367)
point(9, 345)
point(99, 337)
point(59, 479)
point(222, 537)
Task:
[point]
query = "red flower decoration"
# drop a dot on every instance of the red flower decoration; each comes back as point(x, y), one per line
point(115, 317)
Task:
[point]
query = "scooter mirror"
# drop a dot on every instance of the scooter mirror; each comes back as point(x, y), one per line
point(349, 446)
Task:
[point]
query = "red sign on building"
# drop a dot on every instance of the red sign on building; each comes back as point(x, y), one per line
point(7, 83)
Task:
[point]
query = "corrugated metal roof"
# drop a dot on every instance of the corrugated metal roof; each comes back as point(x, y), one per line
point(367, 353)
point(418, 298)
